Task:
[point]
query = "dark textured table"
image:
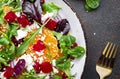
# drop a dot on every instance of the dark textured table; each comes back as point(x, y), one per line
point(100, 26)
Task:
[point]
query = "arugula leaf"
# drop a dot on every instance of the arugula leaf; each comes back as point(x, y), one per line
point(4, 41)
point(31, 75)
point(1, 15)
point(57, 77)
point(51, 7)
point(17, 9)
point(11, 50)
point(12, 30)
point(7, 54)
point(3, 61)
point(24, 46)
point(15, 4)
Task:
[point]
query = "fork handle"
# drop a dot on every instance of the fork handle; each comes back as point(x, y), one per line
point(101, 77)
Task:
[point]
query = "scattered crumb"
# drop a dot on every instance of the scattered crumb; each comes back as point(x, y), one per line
point(94, 33)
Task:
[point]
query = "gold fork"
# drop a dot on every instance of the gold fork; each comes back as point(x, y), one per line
point(105, 63)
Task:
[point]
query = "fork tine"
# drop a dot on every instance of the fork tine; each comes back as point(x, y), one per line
point(105, 49)
point(108, 49)
point(112, 50)
point(106, 61)
point(111, 62)
point(102, 57)
point(108, 55)
point(115, 52)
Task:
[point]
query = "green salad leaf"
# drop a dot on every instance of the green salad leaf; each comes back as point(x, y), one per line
point(7, 54)
point(24, 46)
point(57, 77)
point(64, 64)
point(51, 7)
point(12, 30)
point(32, 75)
point(4, 41)
point(92, 4)
point(15, 4)
point(77, 52)
point(66, 41)
point(3, 61)
point(1, 15)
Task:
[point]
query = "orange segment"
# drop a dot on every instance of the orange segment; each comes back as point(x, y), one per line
point(52, 49)
point(6, 9)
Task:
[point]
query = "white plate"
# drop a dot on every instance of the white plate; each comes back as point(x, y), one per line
point(77, 31)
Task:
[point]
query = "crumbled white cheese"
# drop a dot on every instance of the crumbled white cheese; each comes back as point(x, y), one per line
point(28, 59)
point(72, 63)
point(2, 75)
point(34, 25)
point(40, 53)
point(55, 70)
point(47, 76)
point(43, 38)
point(21, 34)
point(53, 62)
point(46, 16)
point(31, 27)
point(18, 14)
point(30, 67)
point(40, 59)
point(29, 62)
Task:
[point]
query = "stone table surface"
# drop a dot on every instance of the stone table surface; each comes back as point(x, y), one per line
point(100, 26)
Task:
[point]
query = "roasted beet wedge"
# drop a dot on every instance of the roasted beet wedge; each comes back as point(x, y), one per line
point(63, 26)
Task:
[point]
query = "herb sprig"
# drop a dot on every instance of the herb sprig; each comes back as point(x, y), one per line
point(31, 75)
point(8, 53)
point(14, 4)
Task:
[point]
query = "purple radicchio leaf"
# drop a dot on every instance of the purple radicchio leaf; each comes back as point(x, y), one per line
point(32, 9)
point(15, 41)
point(63, 26)
point(19, 67)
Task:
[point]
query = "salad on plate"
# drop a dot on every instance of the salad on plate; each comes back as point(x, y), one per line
point(35, 41)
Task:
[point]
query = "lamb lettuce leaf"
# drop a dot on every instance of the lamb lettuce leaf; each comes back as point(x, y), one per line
point(51, 8)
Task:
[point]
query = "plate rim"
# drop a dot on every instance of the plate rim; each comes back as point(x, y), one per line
point(82, 27)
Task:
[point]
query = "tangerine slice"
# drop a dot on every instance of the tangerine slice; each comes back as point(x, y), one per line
point(51, 50)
